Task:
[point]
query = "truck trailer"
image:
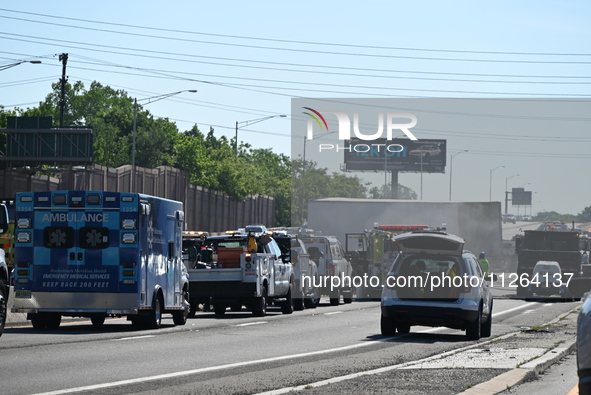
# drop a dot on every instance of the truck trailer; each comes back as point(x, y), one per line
point(479, 223)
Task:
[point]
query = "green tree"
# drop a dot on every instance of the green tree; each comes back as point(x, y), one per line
point(585, 215)
point(310, 182)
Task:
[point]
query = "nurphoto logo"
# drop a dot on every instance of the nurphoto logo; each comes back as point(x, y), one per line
point(345, 124)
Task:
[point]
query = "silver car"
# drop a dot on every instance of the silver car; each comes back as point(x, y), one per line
point(434, 282)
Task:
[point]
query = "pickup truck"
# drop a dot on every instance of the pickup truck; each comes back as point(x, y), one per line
point(306, 293)
point(245, 270)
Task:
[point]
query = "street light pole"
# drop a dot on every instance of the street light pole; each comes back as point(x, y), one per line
point(490, 182)
point(17, 63)
point(451, 166)
point(151, 99)
point(422, 176)
point(250, 122)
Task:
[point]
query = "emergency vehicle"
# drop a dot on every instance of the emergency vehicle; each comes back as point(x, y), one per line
point(97, 254)
point(371, 253)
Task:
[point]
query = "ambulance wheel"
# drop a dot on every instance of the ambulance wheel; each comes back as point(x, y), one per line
point(179, 317)
point(53, 321)
point(98, 320)
point(155, 316)
point(3, 306)
point(38, 323)
point(259, 305)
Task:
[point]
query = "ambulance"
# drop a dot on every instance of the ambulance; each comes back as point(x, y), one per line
point(99, 254)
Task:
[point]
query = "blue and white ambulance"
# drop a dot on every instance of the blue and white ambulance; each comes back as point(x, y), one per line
point(97, 254)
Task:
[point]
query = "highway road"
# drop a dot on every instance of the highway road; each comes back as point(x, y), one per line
point(331, 349)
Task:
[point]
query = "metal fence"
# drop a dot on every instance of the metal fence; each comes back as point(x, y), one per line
point(204, 209)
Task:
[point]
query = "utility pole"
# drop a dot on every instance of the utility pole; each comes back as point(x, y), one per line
point(64, 59)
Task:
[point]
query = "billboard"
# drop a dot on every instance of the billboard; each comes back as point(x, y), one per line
point(404, 155)
point(520, 197)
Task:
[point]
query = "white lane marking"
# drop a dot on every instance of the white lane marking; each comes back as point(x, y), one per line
point(252, 323)
point(523, 306)
point(334, 312)
point(273, 359)
point(379, 370)
point(134, 337)
point(209, 369)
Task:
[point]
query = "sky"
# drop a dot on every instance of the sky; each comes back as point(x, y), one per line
point(248, 60)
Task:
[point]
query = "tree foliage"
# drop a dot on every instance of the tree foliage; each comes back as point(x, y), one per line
point(212, 162)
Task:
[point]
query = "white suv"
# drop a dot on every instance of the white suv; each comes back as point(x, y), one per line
point(434, 282)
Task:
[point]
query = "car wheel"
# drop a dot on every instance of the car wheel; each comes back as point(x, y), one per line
point(180, 317)
point(259, 305)
point(287, 306)
point(486, 328)
point(155, 316)
point(403, 328)
point(98, 320)
point(298, 304)
point(138, 322)
point(313, 302)
point(348, 296)
point(219, 309)
point(335, 298)
point(388, 326)
point(193, 310)
point(473, 329)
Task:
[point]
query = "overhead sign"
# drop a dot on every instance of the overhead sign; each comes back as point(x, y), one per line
point(403, 155)
point(520, 197)
point(54, 147)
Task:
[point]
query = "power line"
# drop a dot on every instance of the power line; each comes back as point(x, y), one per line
point(166, 56)
point(356, 46)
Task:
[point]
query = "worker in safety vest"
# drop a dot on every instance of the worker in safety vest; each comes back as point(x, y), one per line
point(484, 265)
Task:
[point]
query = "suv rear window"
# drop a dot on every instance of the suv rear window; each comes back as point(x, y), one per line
point(423, 277)
point(432, 265)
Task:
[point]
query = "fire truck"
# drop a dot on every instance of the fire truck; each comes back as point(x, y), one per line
point(371, 254)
